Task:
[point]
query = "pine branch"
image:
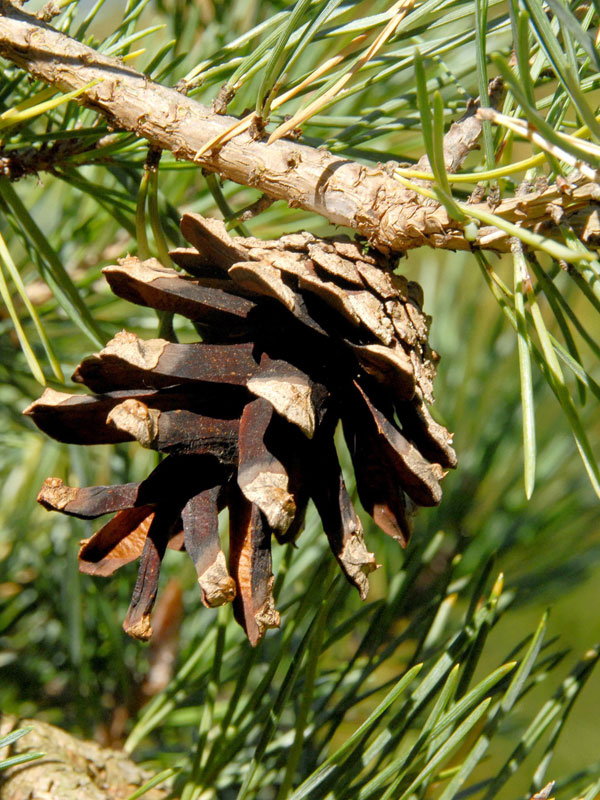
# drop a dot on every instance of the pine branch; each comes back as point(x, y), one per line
point(68, 767)
point(391, 216)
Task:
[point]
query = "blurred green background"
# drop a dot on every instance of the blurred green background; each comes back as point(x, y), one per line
point(63, 655)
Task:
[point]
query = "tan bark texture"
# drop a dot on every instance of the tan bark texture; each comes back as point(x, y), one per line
point(71, 769)
point(367, 199)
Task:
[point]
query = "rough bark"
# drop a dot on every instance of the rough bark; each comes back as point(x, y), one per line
point(367, 199)
point(71, 769)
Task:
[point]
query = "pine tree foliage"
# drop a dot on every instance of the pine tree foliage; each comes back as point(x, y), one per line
point(416, 693)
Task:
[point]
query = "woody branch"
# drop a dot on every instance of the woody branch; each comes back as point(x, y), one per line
point(366, 199)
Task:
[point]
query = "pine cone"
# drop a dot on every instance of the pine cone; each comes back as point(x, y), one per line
point(298, 334)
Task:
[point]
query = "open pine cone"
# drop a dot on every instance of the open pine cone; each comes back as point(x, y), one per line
point(298, 334)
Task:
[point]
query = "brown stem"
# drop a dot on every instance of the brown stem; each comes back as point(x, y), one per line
point(367, 199)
